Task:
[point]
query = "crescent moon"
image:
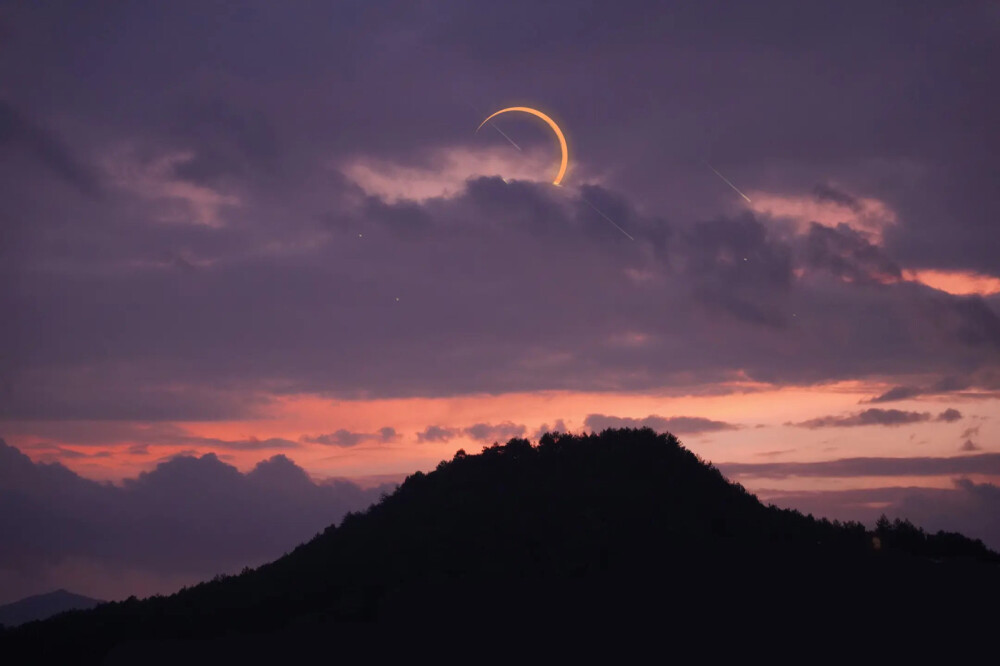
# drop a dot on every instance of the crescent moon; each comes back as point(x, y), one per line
point(552, 124)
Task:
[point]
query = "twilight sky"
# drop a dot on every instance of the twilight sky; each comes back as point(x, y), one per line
point(266, 237)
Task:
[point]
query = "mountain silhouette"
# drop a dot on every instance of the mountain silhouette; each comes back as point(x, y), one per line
point(42, 606)
point(621, 529)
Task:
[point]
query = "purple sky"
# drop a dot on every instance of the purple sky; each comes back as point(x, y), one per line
point(270, 229)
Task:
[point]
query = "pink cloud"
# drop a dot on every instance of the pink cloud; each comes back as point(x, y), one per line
point(182, 201)
point(869, 216)
point(445, 171)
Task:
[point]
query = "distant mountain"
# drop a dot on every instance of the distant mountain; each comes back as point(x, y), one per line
point(42, 606)
point(621, 529)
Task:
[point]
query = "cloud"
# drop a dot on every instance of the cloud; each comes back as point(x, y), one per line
point(949, 416)
point(969, 445)
point(828, 208)
point(19, 132)
point(897, 393)
point(736, 266)
point(825, 192)
point(290, 253)
point(444, 172)
point(678, 425)
point(981, 384)
point(971, 431)
point(558, 426)
point(984, 463)
point(140, 436)
point(435, 433)
point(877, 417)
point(848, 255)
point(233, 140)
point(487, 432)
point(774, 454)
point(160, 527)
point(498, 251)
point(249, 444)
point(178, 199)
point(959, 283)
point(51, 453)
point(66, 394)
point(346, 438)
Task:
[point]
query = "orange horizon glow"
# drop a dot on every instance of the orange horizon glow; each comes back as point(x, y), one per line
point(760, 414)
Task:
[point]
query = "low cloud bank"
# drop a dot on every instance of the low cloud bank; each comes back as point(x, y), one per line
point(186, 520)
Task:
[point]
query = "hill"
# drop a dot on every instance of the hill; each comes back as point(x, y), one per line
point(42, 606)
point(620, 528)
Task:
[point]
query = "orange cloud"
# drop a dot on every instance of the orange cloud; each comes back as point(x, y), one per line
point(959, 283)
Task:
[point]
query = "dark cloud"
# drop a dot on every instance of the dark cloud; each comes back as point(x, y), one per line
point(54, 453)
point(827, 192)
point(969, 445)
point(678, 425)
point(949, 415)
point(68, 395)
point(498, 283)
point(346, 438)
point(984, 463)
point(434, 433)
point(187, 519)
point(897, 393)
point(877, 417)
point(140, 436)
point(499, 432)
point(848, 255)
point(232, 140)
point(223, 326)
point(249, 444)
point(981, 384)
point(736, 266)
point(19, 132)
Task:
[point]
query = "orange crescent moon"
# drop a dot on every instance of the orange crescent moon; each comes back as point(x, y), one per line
point(552, 124)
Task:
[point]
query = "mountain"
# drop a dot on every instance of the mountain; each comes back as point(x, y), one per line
point(42, 606)
point(617, 530)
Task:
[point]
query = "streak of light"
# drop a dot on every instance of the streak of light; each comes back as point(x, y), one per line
point(504, 135)
point(601, 213)
point(728, 182)
point(490, 123)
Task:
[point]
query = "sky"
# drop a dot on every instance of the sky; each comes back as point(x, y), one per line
point(258, 255)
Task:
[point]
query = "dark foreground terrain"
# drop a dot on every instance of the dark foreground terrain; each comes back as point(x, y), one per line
point(624, 538)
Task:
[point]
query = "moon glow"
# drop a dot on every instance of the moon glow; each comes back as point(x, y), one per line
point(551, 123)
